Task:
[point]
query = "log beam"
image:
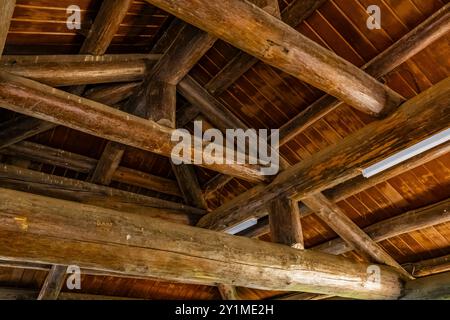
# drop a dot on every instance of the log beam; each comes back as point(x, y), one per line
point(40, 101)
point(420, 117)
point(250, 29)
point(6, 13)
point(47, 228)
point(284, 221)
point(429, 267)
point(336, 219)
point(409, 45)
point(436, 287)
point(88, 193)
point(228, 292)
point(53, 283)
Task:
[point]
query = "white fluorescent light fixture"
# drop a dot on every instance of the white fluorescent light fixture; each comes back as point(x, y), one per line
point(408, 153)
point(242, 226)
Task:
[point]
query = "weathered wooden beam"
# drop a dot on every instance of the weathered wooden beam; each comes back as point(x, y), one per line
point(189, 185)
point(106, 25)
point(284, 221)
point(293, 15)
point(59, 73)
point(436, 287)
point(111, 95)
point(420, 117)
point(53, 283)
point(155, 98)
point(356, 185)
point(30, 294)
point(146, 246)
point(68, 160)
point(228, 292)
point(20, 128)
point(258, 33)
point(103, 30)
point(216, 183)
point(429, 267)
point(409, 45)
point(6, 13)
point(336, 219)
point(88, 193)
point(404, 223)
point(41, 101)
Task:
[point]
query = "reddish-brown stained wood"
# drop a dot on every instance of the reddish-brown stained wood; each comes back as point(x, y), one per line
point(21, 128)
point(267, 38)
point(284, 221)
point(134, 245)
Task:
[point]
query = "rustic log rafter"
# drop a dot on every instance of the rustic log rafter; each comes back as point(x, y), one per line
point(413, 42)
point(6, 13)
point(97, 42)
point(82, 164)
point(415, 118)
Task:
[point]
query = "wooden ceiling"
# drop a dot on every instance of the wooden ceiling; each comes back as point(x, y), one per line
point(263, 97)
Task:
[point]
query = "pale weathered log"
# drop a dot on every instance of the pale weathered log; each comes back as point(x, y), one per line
point(41, 229)
point(106, 25)
point(284, 221)
point(40, 101)
point(53, 283)
point(349, 231)
point(258, 33)
point(417, 119)
point(6, 13)
point(436, 287)
point(84, 192)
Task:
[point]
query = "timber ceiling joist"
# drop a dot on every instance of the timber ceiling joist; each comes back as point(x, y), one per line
point(85, 164)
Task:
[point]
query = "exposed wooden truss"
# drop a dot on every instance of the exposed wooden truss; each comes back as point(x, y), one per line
point(147, 246)
point(417, 119)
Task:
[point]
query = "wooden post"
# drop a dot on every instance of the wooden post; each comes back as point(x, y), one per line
point(417, 119)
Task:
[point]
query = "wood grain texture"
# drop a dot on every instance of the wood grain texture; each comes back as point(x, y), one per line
point(417, 119)
point(410, 221)
point(21, 128)
point(28, 97)
point(409, 45)
point(228, 292)
point(6, 13)
point(336, 219)
point(429, 267)
point(109, 241)
point(85, 192)
point(436, 287)
point(105, 26)
point(284, 221)
point(53, 283)
point(272, 41)
point(189, 185)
